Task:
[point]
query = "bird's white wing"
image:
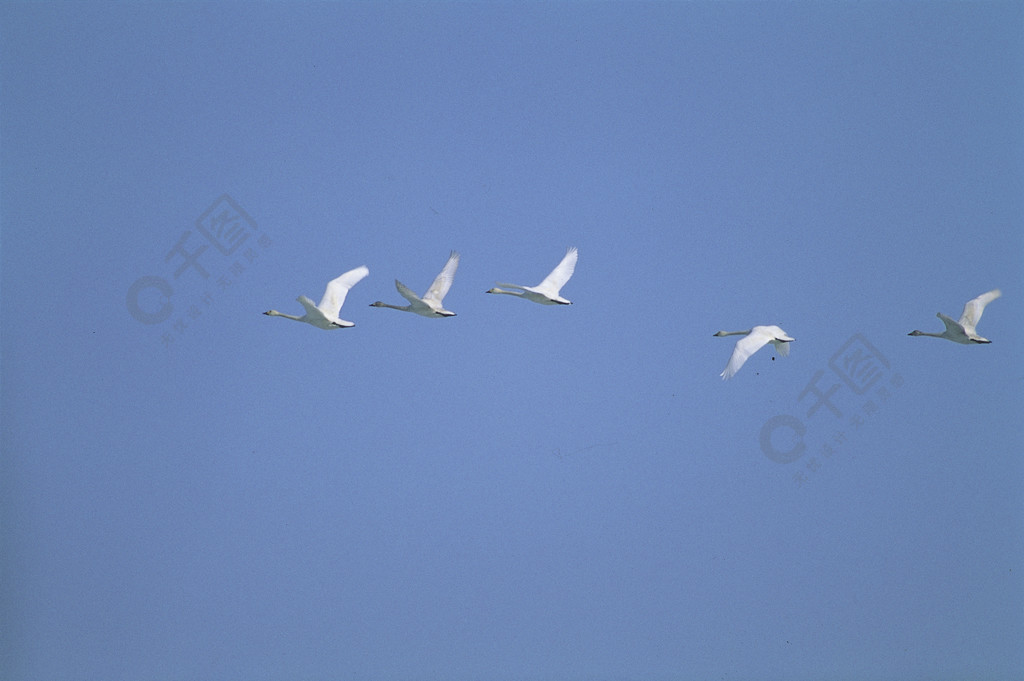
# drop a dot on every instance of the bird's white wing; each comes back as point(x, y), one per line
point(745, 347)
point(952, 326)
point(781, 347)
point(407, 293)
point(418, 305)
point(554, 282)
point(973, 309)
point(439, 289)
point(337, 289)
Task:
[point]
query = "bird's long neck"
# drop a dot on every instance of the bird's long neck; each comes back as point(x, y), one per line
point(275, 313)
point(737, 333)
point(404, 308)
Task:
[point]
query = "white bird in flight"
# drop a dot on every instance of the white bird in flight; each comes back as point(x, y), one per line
point(547, 291)
point(325, 315)
point(964, 331)
point(755, 339)
point(430, 304)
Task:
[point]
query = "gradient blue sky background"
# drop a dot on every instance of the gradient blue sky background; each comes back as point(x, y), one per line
point(518, 492)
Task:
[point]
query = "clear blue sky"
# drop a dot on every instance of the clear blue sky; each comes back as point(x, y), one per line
point(517, 492)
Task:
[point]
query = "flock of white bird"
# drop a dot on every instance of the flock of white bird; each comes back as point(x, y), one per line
point(548, 292)
point(325, 315)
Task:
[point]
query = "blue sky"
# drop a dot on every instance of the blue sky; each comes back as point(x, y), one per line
point(517, 492)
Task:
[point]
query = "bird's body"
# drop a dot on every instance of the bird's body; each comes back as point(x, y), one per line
point(753, 340)
point(430, 305)
point(548, 291)
point(325, 315)
point(964, 331)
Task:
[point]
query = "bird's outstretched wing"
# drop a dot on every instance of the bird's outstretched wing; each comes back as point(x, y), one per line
point(974, 308)
point(337, 289)
point(745, 347)
point(417, 305)
point(554, 282)
point(953, 327)
point(408, 294)
point(439, 289)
